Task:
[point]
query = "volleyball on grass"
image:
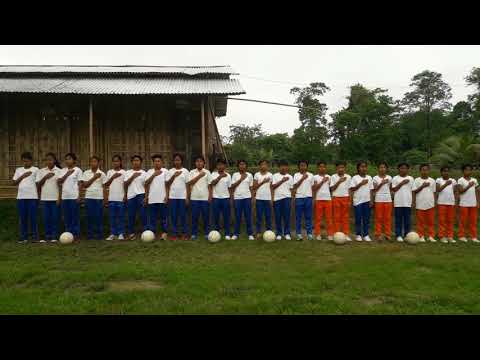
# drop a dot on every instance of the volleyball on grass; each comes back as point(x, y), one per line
point(269, 236)
point(66, 238)
point(412, 238)
point(339, 238)
point(148, 236)
point(214, 236)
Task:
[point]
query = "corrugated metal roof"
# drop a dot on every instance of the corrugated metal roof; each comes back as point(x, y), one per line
point(122, 86)
point(124, 69)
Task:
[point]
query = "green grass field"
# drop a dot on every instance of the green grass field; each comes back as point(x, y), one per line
point(241, 277)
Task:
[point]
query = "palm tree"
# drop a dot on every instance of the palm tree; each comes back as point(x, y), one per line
point(456, 150)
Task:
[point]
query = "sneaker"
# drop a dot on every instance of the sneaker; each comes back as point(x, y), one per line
point(53, 240)
point(279, 237)
point(432, 239)
point(444, 240)
point(193, 237)
point(330, 238)
point(358, 238)
point(348, 238)
point(234, 237)
point(422, 239)
point(164, 236)
point(367, 238)
point(227, 237)
point(319, 237)
point(463, 239)
point(121, 237)
point(43, 241)
point(475, 240)
point(22, 241)
point(131, 237)
point(251, 237)
point(452, 240)
point(399, 239)
point(310, 237)
point(110, 238)
point(299, 237)
point(288, 237)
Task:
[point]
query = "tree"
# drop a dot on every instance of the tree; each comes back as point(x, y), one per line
point(456, 150)
point(429, 92)
point(310, 138)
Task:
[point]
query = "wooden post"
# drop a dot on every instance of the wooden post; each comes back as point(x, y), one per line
point(202, 109)
point(90, 126)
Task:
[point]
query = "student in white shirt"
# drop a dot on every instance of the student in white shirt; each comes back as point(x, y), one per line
point(468, 189)
point(340, 189)
point(27, 197)
point(220, 184)
point(177, 178)
point(92, 181)
point(242, 182)
point(263, 196)
point(302, 189)
point(383, 202)
point(361, 187)
point(200, 195)
point(401, 186)
point(134, 184)
point(424, 199)
point(446, 199)
point(69, 180)
point(282, 184)
point(116, 199)
point(323, 201)
point(47, 185)
point(156, 195)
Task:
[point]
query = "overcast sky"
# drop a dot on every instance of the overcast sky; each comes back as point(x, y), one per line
point(389, 67)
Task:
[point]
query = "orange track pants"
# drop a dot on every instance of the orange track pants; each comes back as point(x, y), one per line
point(426, 222)
point(383, 216)
point(468, 215)
point(341, 214)
point(324, 208)
point(446, 218)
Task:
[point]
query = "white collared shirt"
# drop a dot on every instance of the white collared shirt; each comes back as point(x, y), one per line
point(158, 190)
point(362, 195)
point(116, 191)
point(221, 189)
point(200, 189)
point(425, 198)
point(383, 194)
point(403, 197)
point(70, 190)
point(263, 192)
point(323, 193)
point(469, 197)
point(137, 186)
point(447, 195)
point(242, 191)
point(305, 189)
point(178, 188)
point(284, 190)
point(343, 189)
point(27, 188)
point(49, 191)
point(95, 190)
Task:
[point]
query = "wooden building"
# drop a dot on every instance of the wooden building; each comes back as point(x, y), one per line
point(107, 110)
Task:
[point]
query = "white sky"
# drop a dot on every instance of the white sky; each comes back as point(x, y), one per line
point(389, 67)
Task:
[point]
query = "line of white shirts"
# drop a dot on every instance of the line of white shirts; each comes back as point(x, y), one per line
point(402, 198)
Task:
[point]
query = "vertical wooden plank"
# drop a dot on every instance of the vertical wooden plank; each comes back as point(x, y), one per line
point(202, 114)
point(90, 126)
point(4, 139)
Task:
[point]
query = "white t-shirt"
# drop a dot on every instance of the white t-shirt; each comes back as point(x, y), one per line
point(425, 199)
point(116, 191)
point(94, 191)
point(263, 192)
point(304, 190)
point(284, 190)
point(468, 198)
point(178, 188)
point(362, 195)
point(403, 197)
point(137, 186)
point(220, 190)
point(383, 194)
point(70, 185)
point(447, 195)
point(200, 189)
point(323, 193)
point(343, 189)
point(158, 189)
point(242, 191)
point(49, 191)
point(27, 188)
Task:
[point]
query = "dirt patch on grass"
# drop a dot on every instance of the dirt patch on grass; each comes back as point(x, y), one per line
point(371, 301)
point(132, 285)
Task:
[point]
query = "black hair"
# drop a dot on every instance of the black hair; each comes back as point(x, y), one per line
point(136, 157)
point(221, 161)
point(341, 162)
point(199, 157)
point(444, 168)
point(360, 163)
point(467, 165)
point(157, 156)
point(302, 162)
point(55, 160)
point(403, 164)
point(118, 157)
point(27, 156)
point(71, 155)
point(423, 165)
point(178, 155)
point(242, 161)
point(382, 163)
point(321, 162)
point(283, 163)
point(95, 157)
point(263, 161)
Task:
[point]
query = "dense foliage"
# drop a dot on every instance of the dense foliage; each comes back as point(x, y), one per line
point(423, 126)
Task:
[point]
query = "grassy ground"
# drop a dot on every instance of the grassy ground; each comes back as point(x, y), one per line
point(242, 277)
